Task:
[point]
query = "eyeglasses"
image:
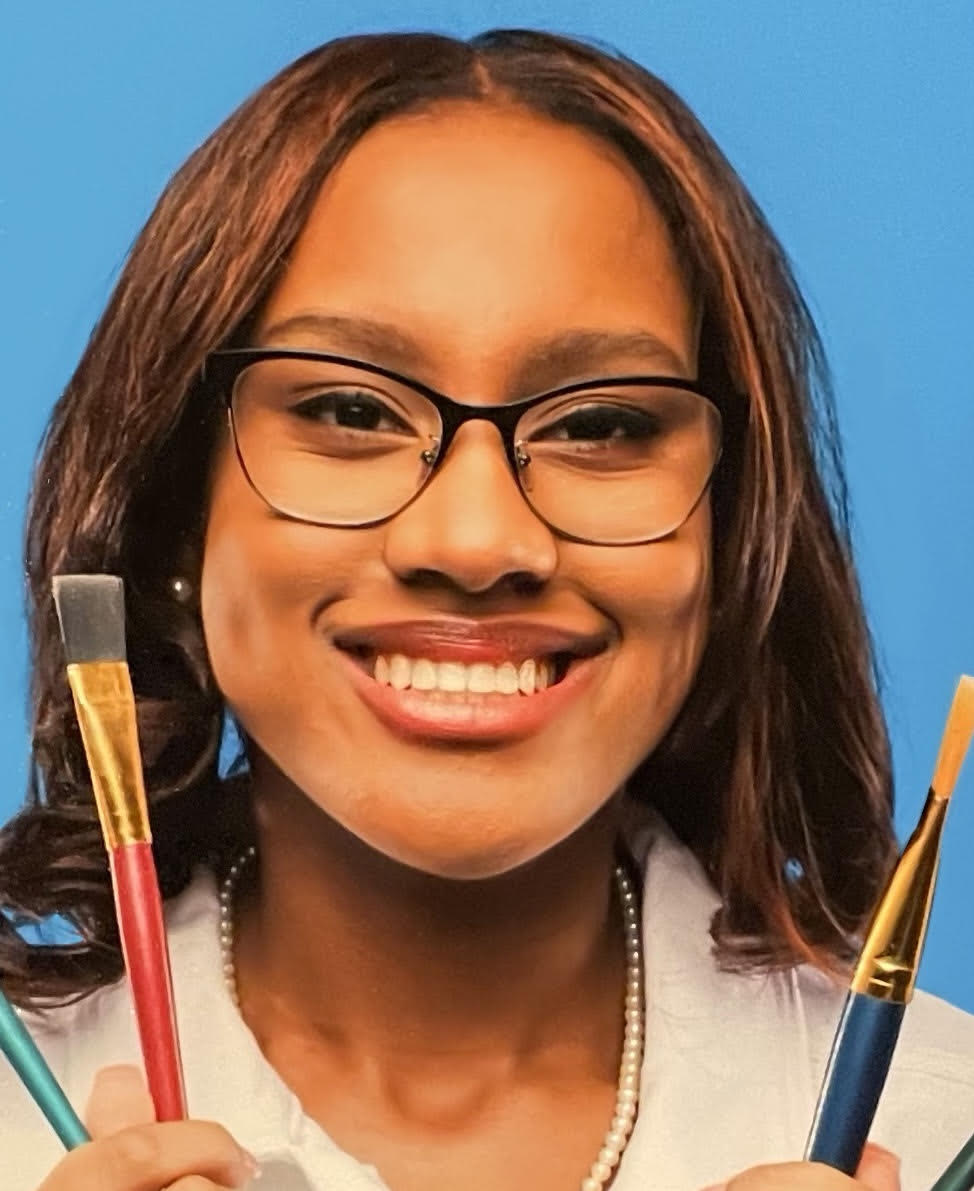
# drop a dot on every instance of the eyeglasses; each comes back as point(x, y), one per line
point(337, 442)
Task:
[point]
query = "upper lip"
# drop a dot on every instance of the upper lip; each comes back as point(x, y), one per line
point(471, 640)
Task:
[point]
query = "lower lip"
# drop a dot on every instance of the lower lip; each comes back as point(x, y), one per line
point(438, 715)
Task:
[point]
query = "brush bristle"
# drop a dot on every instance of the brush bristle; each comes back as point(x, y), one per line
point(91, 612)
point(956, 740)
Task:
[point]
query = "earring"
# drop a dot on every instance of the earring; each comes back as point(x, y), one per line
point(180, 589)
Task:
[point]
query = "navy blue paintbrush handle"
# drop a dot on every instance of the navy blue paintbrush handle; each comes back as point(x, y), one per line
point(858, 1065)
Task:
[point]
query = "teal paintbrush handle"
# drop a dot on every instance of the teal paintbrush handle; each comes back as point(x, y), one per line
point(17, 1044)
point(959, 1175)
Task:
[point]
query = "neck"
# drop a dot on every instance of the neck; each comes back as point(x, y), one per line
point(340, 942)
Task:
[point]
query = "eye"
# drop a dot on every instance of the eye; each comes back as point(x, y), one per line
point(351, 409)
point(596, 422)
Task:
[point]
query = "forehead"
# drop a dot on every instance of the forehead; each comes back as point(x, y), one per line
point(476, 229)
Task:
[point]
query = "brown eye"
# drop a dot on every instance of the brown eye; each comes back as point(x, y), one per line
point(350, 410)
point(600, 423)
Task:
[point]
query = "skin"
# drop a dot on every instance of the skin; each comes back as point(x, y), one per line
point(478, 283)
point(474, 873)
point(130, 1153)
point(404, 882)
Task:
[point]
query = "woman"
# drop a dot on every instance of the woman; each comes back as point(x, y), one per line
point(514, 565)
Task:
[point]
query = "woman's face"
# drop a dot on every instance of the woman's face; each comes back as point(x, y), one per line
point(460, 247)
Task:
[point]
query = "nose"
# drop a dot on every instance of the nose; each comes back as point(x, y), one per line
point(471, 527)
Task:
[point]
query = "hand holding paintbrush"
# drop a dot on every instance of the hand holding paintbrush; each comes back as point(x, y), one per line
point(91, 611)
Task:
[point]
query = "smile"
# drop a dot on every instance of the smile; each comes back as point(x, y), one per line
point(468, 703)
point(479, 678)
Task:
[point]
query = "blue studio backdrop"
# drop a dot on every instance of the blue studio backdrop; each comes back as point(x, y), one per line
point(853, 125)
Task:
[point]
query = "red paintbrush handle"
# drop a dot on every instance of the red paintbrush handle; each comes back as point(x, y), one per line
point(143, 933)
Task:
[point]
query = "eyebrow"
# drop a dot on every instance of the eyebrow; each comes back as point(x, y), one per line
point(569, 353)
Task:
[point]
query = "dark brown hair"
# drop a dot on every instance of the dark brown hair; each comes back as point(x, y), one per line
point(776, 772)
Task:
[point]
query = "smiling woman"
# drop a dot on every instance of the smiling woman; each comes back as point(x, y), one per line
point(453, 426)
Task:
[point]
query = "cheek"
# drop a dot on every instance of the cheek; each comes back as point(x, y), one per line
point(666, 584)
point(676, 584)
point(660, 596)
point(261, 583)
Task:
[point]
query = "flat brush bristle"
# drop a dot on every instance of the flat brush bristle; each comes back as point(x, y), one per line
point(91, 612)
point(957, 738)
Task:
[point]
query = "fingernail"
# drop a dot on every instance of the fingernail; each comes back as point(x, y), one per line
point(885, 1155)
point(251, 1167)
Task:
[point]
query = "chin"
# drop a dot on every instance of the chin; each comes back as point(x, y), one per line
point(460, 859)
point(469, 850)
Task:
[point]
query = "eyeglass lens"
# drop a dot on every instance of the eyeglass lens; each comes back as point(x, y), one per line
point(338, 445)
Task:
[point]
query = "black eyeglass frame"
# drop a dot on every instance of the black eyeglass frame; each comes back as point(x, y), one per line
point(221, 370)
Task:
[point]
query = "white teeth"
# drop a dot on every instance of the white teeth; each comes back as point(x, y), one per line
point(450, 676)
point(400, 671)
point(506, 679)
point(424, 675)
point(480, 678)
point(525, 677)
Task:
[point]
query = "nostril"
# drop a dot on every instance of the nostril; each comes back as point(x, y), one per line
point(422, 577)
point(525, 583)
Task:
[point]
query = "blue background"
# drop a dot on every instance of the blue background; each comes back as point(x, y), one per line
point(852, 124)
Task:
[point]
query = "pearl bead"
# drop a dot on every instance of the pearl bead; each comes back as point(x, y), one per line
point(630, 1065)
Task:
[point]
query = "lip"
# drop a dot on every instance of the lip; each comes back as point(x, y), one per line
point(476, 719)
point(494, 641)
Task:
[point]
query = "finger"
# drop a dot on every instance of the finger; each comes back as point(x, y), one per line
point(812, 1176)
point(879, 1169)
point(195, 1182)
point(119, 1099)
point(147, 1157)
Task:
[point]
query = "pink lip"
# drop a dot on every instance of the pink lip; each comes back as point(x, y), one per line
point(471, 640)
point(431, 715)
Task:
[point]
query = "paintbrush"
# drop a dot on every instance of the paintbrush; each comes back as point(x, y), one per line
point(91, 611)
point(885, 974)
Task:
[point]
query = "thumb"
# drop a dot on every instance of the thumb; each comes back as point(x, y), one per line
point(879, 1169)
point(119, 1098)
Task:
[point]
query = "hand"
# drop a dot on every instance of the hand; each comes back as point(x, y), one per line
point(129, 1151)
point(879, 1170)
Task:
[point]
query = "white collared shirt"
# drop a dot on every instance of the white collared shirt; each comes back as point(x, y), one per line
point(730, 1076)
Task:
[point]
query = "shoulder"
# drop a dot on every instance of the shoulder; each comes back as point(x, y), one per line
point(30, 1148)
point(926, 1112)
point(936, 1041)
point(770, 1034)
point(932, 1077)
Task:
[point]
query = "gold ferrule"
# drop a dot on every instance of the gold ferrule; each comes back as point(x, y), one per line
point(105, 704)
point(889, 959)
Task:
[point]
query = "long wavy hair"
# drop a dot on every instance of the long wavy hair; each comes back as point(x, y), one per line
point(776, 772)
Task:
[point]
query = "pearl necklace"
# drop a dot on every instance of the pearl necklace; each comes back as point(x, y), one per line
point(627, 1091)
